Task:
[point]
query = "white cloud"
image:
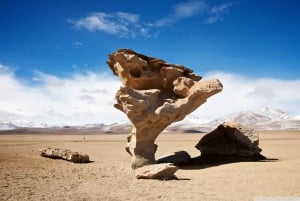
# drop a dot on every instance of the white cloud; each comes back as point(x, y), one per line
point(242, 94)
point(125, 25)
point(217, 12)
point(89, 98)
point(4, 69)
point(127, 18)
point(79, 99)
point(77, 44)
point(121, 24)
point(188, 9)
point(182, 10)
point(101, 22)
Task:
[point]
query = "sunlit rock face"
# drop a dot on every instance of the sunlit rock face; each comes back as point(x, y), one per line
point(153, 95)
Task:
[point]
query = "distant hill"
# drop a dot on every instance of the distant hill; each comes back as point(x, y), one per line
point(264, 118)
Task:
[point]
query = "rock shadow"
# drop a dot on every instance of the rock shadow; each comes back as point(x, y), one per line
point(208, 161)
point(174, 177)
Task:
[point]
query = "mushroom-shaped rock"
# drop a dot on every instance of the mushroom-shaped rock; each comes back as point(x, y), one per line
point(230, 139)
point(155, 94)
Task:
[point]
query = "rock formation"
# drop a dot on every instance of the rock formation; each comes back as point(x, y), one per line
point(155, 94)
point(230, 139)
point(65, 154)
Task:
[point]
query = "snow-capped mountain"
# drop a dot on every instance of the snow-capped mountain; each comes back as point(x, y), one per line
point(20, 123)
point(9, 121)
point(7, 125)
point(191, 121)
point(263, 118)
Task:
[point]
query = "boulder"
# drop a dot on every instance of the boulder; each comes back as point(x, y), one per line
point(178, 158)
point(65, 154)
point(156, 171)
point(230, 139)
point(154, 94)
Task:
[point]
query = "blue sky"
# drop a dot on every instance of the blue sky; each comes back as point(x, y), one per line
point(44, 42)
point(253, 38)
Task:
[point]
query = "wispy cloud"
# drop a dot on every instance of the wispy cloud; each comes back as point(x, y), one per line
point(5, 69)
point(182, 10)
point(102, 22)
point(121, 24)
point(89, 97)
point(216, 13)
point(77, 44)
point(127, 18)
point(130, 25)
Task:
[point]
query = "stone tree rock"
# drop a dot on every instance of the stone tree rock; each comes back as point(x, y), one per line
point(230, 139)
point(155, 94)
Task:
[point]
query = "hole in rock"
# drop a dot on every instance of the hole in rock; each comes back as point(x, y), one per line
point(135, 73)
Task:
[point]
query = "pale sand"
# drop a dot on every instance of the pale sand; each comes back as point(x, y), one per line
point(24, 175)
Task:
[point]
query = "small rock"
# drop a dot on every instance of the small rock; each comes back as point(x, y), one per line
point(156, 171)
point(178, 158)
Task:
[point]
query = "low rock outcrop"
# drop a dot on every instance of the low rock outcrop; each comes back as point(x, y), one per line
point(155, 94)
point(177, 158)
point(65, 154)
point(156, 171)
point(230, 139)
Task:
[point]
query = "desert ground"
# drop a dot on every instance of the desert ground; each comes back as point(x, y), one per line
point(25, 175)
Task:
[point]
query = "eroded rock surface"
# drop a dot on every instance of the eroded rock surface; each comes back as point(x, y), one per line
point(155, 94)
point(230, 139)
point(65, 154)
point(156, 171)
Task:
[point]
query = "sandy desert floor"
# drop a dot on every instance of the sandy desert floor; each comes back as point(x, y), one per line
point(24, 175)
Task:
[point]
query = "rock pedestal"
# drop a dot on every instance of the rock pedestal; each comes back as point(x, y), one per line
point(153, 95)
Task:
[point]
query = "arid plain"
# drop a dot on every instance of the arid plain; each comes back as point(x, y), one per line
point(25, 175)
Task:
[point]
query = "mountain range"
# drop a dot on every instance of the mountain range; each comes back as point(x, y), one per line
point(263, 118)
